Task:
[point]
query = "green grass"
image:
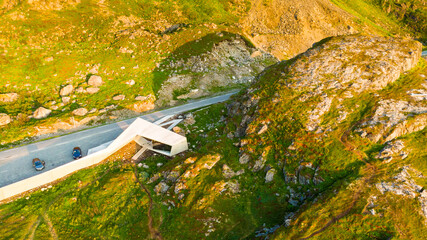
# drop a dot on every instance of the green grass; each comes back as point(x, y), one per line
point(47, 49)
point(369, 14)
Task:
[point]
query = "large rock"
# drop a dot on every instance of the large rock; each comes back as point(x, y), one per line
point(92, 90)
point(4, 119)
point(120, 97)
point(67, 90)
point(161, 188)
point(8, 97)
point(80, 111)
point(270, 175)
point(95, 81)
point(41, 112)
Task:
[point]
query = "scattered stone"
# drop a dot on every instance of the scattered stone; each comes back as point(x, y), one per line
point(92, 90)
point(161, 188)
point(263, 129)
point(67, 90)
point(244, 158)
point(139, 165)
point(49, 59)
point(80, 90)
point(189, 119)
point(92, 110)
point(4, 119)
point(159, 164)
point(227, 171)
point(270, 174)
point(130, 82)
point(8, 97)
point(259, 164)
point(174, 28)
point(41, 112)
point(119, 98)
point(95, 81)
point(80, 111)
point(66, 100)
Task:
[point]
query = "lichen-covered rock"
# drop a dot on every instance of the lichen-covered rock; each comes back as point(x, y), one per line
point(270, 175)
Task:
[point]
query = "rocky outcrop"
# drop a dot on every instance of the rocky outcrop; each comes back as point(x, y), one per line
point(392, 150)
point(228, 62)
point(403, 184)
point(349, 65)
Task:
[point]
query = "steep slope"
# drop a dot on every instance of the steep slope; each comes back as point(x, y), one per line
point(286, 159)
point(287, 28)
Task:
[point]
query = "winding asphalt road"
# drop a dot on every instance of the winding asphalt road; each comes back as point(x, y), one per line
point(15, 164)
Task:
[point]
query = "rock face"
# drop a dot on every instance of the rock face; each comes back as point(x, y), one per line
point(350, 65)
point(67, 90)
point(8, 97)
point(404, 185)
point(80, 111)
point(95, 81)
point(4, 119)
point(286, 28)
point(41, 112)
point(228, 62)
point(392, 150)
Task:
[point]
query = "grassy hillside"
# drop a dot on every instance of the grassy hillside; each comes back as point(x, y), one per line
point(290, 185)
point(46, 45)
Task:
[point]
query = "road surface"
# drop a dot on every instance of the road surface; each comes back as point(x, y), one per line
point(15, 164)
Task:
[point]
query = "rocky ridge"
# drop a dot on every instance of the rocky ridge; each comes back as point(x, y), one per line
point(228, 63)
